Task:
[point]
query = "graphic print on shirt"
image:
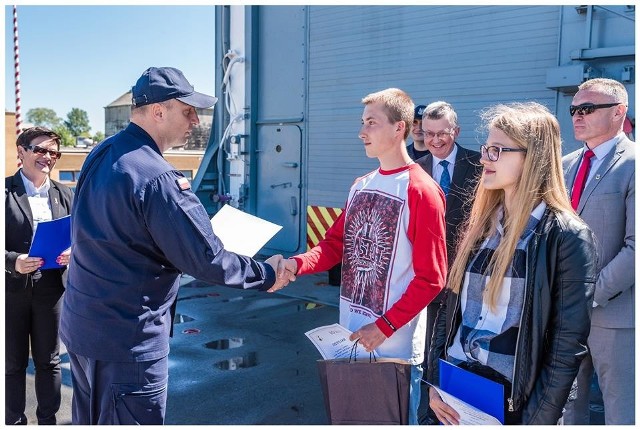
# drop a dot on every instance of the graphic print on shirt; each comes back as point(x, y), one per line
point(369, 237)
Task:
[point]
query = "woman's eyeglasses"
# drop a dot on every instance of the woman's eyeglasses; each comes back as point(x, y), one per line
point(43, 151)
point(493, 152)
point(589, 108)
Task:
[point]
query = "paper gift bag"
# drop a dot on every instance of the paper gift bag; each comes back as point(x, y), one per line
point(364, 392)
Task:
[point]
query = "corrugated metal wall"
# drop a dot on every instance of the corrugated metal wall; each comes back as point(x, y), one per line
point(308, 67)
point(470, 56)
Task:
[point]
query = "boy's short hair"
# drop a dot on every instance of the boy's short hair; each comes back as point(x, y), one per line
point(397, 104)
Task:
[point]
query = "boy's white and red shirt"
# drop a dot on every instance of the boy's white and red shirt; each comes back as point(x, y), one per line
point(391, 241)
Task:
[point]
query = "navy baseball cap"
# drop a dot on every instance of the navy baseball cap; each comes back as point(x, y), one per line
point(417, 113)
point(158, 84)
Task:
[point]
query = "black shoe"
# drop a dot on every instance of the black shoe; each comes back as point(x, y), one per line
point(22, 421)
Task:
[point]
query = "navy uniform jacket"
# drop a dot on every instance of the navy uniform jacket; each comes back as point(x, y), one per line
point(135, 229)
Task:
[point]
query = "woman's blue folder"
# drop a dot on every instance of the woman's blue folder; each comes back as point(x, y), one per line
point(480, 392)
point(51, 238)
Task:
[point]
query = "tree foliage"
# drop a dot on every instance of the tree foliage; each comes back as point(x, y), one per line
point(98, 137)
point(77, 122)
point(43, 117)
point(199, 137)
point(67, 138)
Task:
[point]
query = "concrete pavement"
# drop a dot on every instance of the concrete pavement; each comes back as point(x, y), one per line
point(241, 357)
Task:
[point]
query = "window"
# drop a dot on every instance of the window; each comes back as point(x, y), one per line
point(69, 175)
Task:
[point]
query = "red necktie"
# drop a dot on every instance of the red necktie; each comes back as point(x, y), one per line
point(581, 179)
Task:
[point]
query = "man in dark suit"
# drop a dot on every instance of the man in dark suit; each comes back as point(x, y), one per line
point(601, 180)
point(457, 170)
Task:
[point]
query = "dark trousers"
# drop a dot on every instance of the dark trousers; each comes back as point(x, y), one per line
point(577, 410)
point(32, 316)
point(109, 392)
point(432, 311)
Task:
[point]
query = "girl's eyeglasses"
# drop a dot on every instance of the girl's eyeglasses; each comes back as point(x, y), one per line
point(493, 152)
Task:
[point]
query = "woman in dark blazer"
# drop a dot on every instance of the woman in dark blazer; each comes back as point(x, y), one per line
point(33, 297)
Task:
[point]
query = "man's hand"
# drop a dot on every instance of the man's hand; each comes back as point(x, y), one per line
point(370, 336)
point(287, 265)
point(283, 274)
point(26, 264)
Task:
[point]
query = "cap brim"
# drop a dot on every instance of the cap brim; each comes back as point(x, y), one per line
point(198, 100)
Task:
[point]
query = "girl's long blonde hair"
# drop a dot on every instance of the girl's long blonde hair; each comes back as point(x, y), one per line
point(532, 127)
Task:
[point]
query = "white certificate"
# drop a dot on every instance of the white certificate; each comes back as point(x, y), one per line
point(332, 341)
point(468, 414)
point(240, 232)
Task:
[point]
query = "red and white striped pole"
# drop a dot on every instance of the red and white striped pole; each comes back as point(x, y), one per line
point(16, 60)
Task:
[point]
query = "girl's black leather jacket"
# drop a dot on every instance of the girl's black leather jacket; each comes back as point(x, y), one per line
point(555, 321)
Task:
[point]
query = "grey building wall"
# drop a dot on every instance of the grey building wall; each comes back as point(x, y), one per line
point(471, 56)
point(600, 40)
point(308, 68)
point(116, 118)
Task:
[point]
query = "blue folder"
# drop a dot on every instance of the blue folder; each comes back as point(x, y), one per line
point(51, 238)
point(480, 392)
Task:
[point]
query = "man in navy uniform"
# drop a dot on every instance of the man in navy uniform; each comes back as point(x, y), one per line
point(136, 227)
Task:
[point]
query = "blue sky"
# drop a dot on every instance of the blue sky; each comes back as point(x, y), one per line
point(88, 56)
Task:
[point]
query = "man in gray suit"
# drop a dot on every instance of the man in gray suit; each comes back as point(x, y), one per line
point(601, 180)
point(458, 180)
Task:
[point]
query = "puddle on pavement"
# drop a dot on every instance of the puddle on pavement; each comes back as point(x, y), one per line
point(233, 299)
point(232, 342)
point(247, 360)
point(238, 298)
point(312, 305)
point(298, 307)
point(288, 309)
point(196, 284)
point(199, 296)
point(181, 318)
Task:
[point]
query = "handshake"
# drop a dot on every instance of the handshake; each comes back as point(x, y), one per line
point(285, 269)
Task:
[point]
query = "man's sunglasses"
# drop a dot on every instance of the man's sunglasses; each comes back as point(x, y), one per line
point(44, 151)
point(588, 108)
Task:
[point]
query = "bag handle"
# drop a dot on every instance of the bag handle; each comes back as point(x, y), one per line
point(353, 354)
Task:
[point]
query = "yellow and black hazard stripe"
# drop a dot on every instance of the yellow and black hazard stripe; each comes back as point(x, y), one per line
point(319, 219)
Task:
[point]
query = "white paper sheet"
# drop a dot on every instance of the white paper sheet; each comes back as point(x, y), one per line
point(468, 414)
point(332, 341)
point(241, 232)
